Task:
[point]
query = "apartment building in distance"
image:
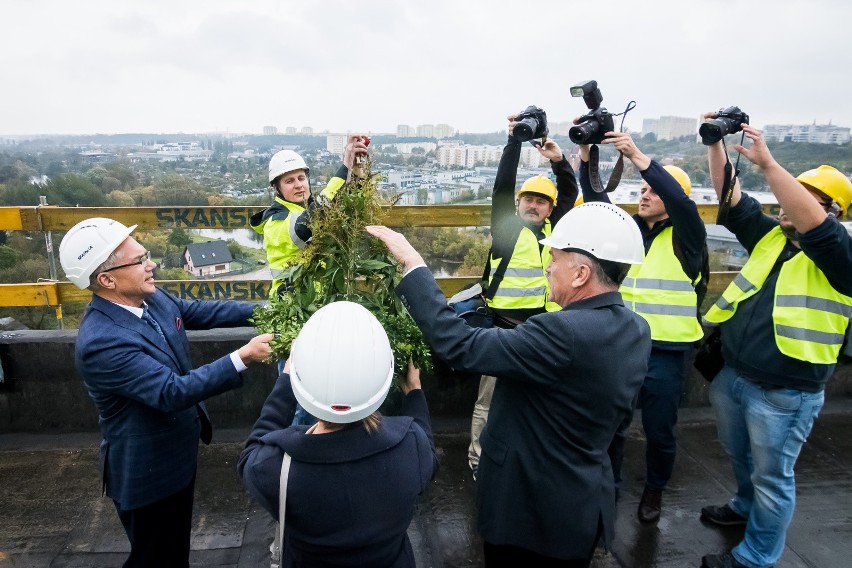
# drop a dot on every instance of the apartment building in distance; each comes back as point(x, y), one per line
point(469, 156)
point(439, 131)
point(336, 143)
point(406, 148)
point(670, 127)
point(444, 131)
point(270, 130)
point(426, 130)
point(813, 133)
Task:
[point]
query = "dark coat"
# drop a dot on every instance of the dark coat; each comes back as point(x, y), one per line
point(350, 494)
point(565, 381)
point(147, 393)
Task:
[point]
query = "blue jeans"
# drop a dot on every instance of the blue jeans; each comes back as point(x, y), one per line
point(762, 431)
point(659, 399)
point(302, 416)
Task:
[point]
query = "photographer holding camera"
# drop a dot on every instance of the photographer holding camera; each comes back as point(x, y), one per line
point(517, 286)
point(666, 290)
point(782, 324)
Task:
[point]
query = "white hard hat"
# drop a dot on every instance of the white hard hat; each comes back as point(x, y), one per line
point(87, 245)
point(285, 161)
point(341, 363)
point(601, 230)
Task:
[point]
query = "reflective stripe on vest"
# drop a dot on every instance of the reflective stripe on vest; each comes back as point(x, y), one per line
point(809, 316)
point(524, 285)
point(660, 291)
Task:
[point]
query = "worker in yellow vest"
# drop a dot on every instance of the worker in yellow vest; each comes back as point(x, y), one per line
point(666, 290)
point(285, 225)
point(516, 284)
point(782, 324)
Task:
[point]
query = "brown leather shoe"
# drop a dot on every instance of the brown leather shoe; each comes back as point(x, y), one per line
point(650, 505)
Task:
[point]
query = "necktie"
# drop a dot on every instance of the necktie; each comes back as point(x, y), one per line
point(146, 316)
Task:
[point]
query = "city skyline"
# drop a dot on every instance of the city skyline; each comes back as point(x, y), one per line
point(215, 66)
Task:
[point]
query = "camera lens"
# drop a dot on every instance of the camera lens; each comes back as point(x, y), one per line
point(524, 129)
point(582, 133)
point(712, 131)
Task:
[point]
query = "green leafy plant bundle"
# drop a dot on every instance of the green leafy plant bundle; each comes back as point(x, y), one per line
point(343, 262)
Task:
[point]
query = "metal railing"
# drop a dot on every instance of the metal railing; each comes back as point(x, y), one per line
point(59, 219)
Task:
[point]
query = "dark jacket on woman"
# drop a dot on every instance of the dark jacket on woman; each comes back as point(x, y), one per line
point(351, 494)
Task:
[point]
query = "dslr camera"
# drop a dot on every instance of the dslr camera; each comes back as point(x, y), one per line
point(593, 125)
point(726, 121)
point(531, 123)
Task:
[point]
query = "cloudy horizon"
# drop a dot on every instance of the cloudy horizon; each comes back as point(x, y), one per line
point(217, 66)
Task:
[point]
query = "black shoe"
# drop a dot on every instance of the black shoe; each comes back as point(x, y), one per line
point(650, 505)
point(723, 515)
point(724, 560)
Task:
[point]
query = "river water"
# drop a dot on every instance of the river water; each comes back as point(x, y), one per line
point(245, 237)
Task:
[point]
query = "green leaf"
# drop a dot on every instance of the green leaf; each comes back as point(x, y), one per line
point(374, 264)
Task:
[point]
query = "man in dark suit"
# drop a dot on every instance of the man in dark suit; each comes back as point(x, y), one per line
point(566, 380)
point(133, 355)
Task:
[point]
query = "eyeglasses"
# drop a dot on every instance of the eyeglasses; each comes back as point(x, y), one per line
point(827, 205)
point(142, 260)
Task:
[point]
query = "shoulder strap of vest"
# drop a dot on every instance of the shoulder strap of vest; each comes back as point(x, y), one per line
point(703, 275)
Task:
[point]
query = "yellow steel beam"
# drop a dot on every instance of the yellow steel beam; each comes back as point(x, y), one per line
point(10, 219)
point(33, 294)
point(234, 217)
point(55, 293)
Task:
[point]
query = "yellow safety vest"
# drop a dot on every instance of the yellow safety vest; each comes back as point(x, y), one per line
point(278, 227)
point(279, 238)
point(810, 317)
point(524, 285)
point(661, 292)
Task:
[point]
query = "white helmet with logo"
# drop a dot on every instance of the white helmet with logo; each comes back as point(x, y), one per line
point(87, 245)
point(341, 363)
point(285, 161)
point(601, 230)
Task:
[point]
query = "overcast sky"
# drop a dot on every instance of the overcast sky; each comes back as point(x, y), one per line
point(195, 66)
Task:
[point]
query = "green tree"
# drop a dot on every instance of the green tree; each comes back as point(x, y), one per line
point(73, 190)
point(9, 257)
point(19, 193)
point(120, 198)
point(110, 184)
point(179, 238)
point(474, 261)
point(173, 274)
point(97, 174)
point(235, 249)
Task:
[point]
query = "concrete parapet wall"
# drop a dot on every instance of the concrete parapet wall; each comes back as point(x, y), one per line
point(41, 392)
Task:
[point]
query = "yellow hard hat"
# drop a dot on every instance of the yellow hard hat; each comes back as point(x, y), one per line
point(541, 186)
point(681, 177)
point(831, 182)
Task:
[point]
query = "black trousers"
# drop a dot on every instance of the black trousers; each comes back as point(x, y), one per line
point(159, 532)
point(507, 555)
point(504, 555)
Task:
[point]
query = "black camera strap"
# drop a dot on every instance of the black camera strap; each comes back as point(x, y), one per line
point(731, 174)
point(595, 173)
point(594, 160)
point(501, 268)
